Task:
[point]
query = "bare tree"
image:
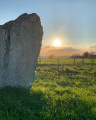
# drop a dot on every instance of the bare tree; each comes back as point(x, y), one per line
point(51, 56)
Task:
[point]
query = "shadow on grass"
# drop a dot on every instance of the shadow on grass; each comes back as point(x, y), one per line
point(20, 104)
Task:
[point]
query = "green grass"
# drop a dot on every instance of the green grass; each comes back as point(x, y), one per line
point(69, 96)
point(65, 61)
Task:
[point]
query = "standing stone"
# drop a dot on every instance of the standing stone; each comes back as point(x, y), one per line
point(20, 43)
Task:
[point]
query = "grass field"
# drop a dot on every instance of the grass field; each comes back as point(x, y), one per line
point(70, 96)
point(65, 61)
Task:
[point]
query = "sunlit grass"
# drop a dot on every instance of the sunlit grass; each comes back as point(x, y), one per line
point(65, 60)
point(70, 96)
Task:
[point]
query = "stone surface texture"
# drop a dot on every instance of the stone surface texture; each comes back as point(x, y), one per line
point(20, 43)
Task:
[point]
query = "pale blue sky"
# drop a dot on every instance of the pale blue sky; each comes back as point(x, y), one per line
point(72, 21)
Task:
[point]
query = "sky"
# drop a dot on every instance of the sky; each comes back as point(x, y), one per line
point(73, 22)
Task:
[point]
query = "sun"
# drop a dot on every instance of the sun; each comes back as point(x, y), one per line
point(57, 43)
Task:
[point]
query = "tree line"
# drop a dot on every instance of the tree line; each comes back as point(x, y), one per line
point(85, 55)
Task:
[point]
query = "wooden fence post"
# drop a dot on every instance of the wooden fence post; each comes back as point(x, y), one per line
point(58, 69)
point(63, 68)
point(74, 59)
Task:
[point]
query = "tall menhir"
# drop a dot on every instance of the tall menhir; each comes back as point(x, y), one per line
point(20, 43)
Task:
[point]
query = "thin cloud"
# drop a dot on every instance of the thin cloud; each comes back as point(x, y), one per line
point(66, 49)
point(59, 51)
point(93, 45)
